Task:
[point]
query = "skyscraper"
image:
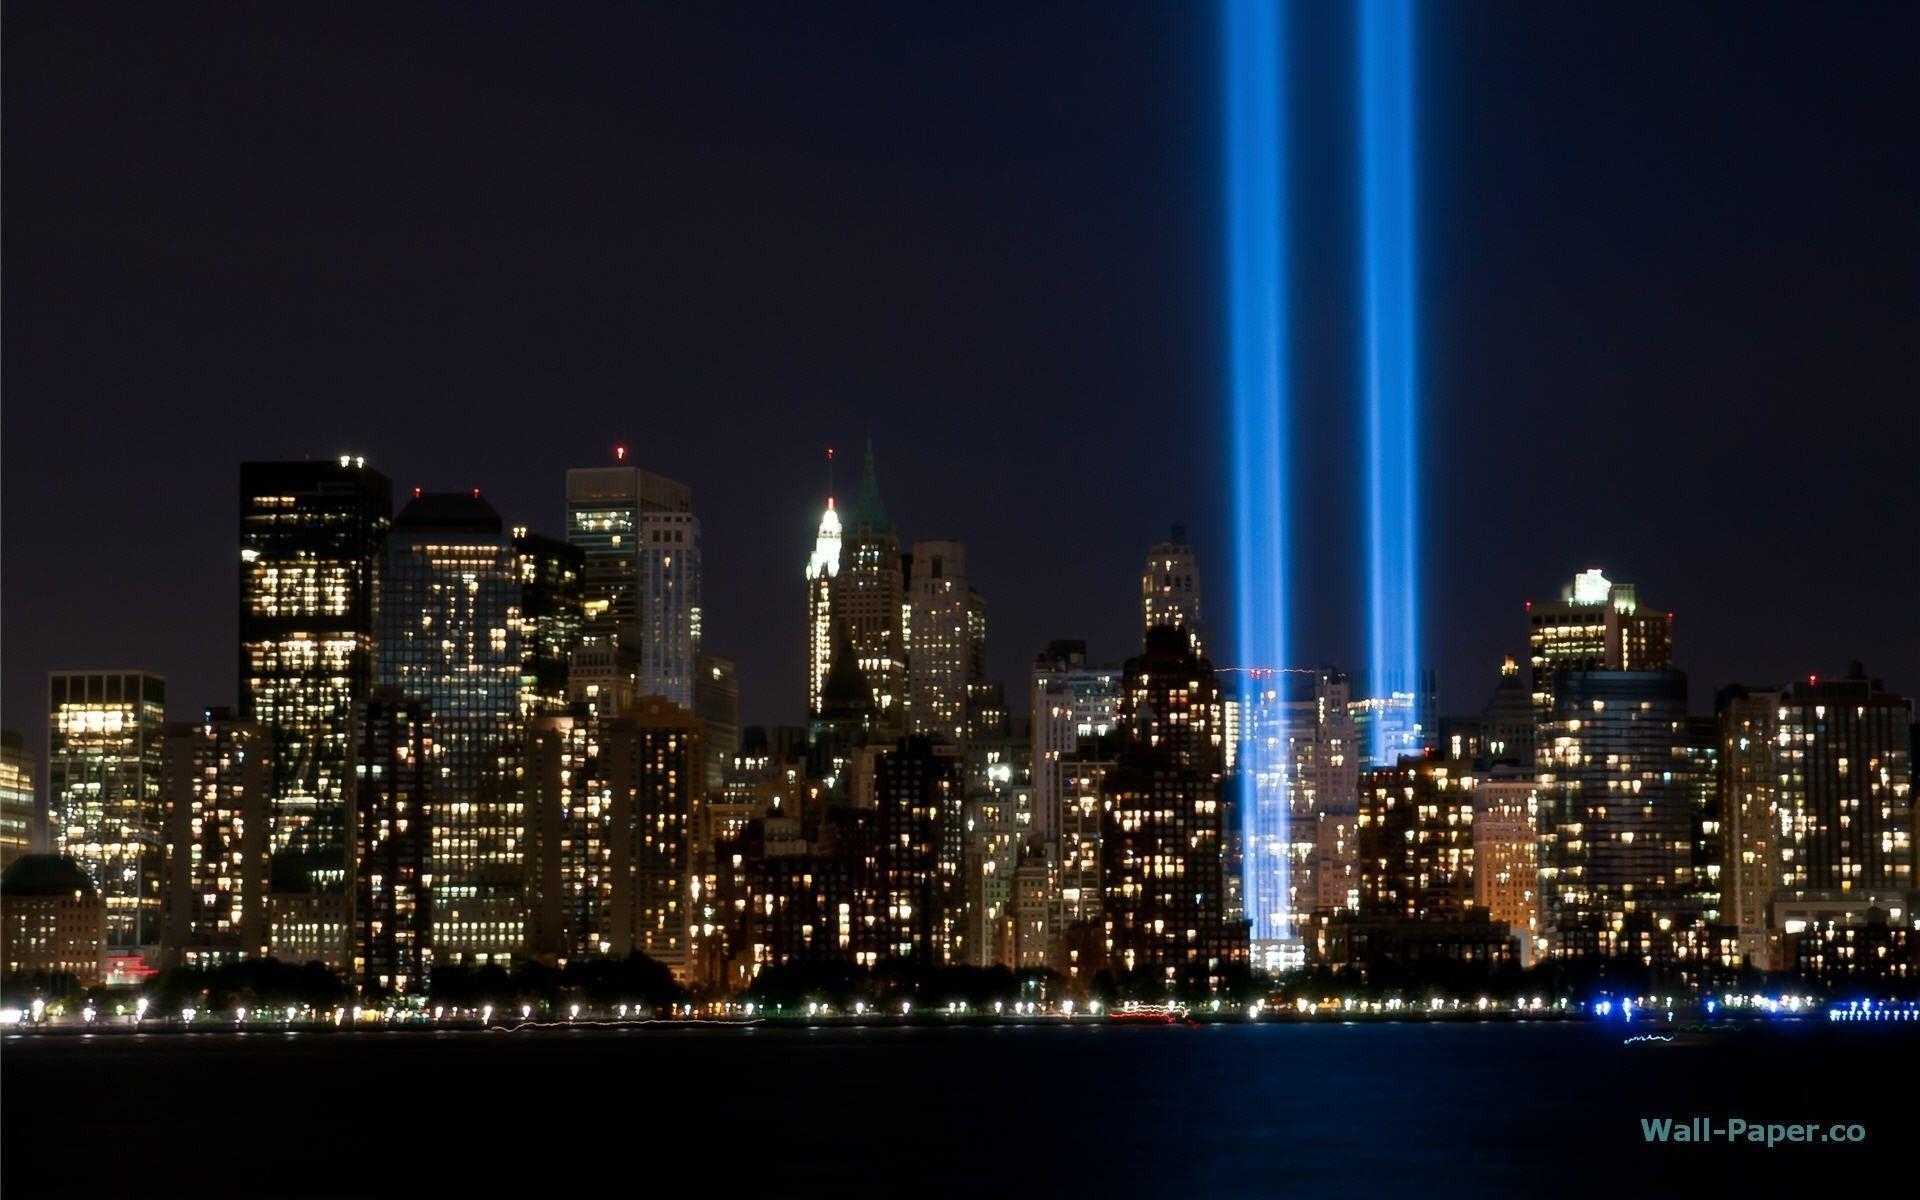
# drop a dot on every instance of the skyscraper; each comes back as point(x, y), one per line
point(1616, 773)
point(1416, 855)
point(104, 731)
point(641, 543)
point(1597, 625)
point(869, 599)
point(948, 640)
point(662, 762)
point(216, 775)
point(550, 613)
point(1070, 701)
point(18, 826)
point(1170, 587)
point(394, 771)
point(919, 853)
point(310, 538)
point(449, 636)
point(823, 566)
point(1162, 846)
point(716, 701)
point(1816, 789)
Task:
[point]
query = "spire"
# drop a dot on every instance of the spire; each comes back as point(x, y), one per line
point(867, 508)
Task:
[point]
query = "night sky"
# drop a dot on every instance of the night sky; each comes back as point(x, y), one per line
point(1671, 308)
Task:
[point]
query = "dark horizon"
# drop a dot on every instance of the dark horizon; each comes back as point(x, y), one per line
point(1671, 275)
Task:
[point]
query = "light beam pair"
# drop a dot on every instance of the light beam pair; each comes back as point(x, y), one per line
point(1257, 315)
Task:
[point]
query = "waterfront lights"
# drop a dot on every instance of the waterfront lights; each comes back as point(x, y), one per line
point(1392, 363)
point(140, 1009)
point(1257, 400)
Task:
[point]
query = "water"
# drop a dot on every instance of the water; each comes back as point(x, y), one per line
point(1175, 1111)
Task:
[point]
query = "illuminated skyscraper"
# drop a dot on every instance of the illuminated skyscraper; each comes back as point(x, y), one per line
point(104, 734)
point(1596, 625)
point(394, 769)
point(822, 568)
point(1170, 587)
point(1817, 802)
point(216, 774)
point(550, 613)
point(450, 636)
point(1416, 841)
point(1616, 775)
point(919, 853)
point(1162, 848)
point(1749, 792)
point(1070, 702)
point(310, 538)
point(869, 599)
point(947, 649)
point(18, 826)
point(1506, 852)
point(642, 571)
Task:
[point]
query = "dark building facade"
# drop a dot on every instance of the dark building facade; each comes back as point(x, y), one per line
point(1164, 892)
point(394, 765)
point(310, 539)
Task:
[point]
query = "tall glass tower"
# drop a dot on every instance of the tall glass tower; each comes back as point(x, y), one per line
point(105, 732)
point(310, 537)
point(450, 635)
point(641, 578)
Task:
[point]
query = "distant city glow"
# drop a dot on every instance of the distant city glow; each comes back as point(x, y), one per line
point(1392, 356)
point(1257, 395)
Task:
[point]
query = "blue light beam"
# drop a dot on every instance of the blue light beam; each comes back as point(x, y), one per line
point(1392, 352)
point(1257, 374)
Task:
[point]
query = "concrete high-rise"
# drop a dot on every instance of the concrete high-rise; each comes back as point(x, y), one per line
point(641, 575)
point(216, 775)
point(104, 735)
point(310, 556)
point(947, 646)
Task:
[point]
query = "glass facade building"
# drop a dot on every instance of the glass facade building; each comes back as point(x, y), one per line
point(310, 543)
point(104, 734)
point(450, 636)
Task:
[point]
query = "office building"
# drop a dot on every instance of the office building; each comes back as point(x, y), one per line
point(104, 734)
point(450, 637)
point(1170, 587)
point(1596, 625)
point(310, 539)
point(919, 852)
point(19, 824)
point(1416, 847)
point(550, 611)
point(1619, 833)
point(1749, 730)
point(395, 766)
point(1162, 851)
point(1506, 856)
point(1069, 702)
point(947, 646)
point(216, 774)
point(716, 701)
point(641, 574)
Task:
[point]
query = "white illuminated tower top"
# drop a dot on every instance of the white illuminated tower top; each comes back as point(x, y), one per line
point(822, 568)
point(825, 562)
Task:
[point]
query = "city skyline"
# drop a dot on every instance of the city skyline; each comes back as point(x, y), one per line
point(1626, 291)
